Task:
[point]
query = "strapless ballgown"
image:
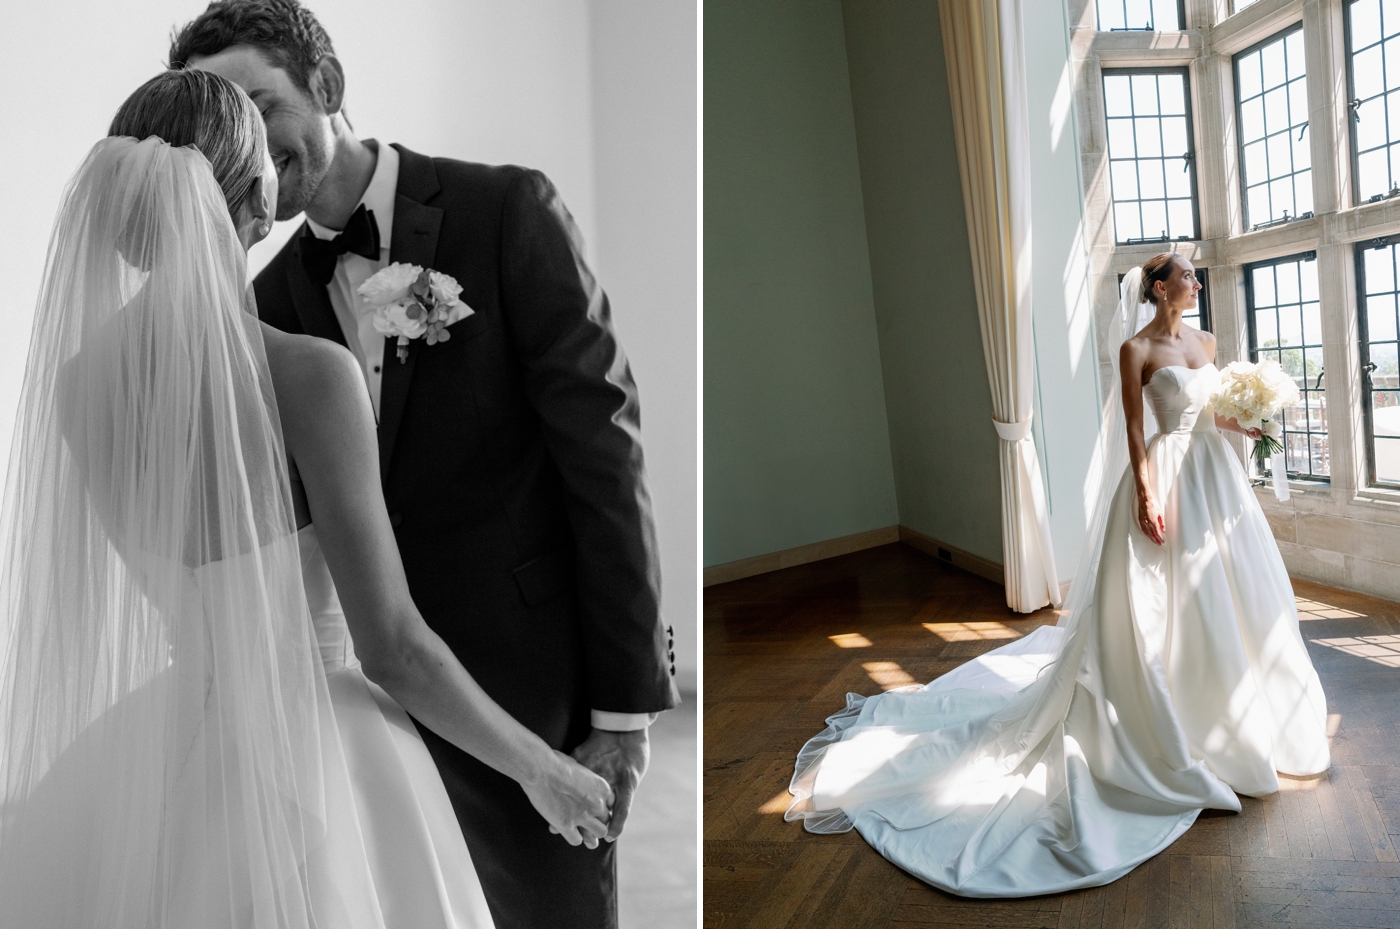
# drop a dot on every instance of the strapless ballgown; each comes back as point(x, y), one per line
point(1185, 682)
point(418, 863)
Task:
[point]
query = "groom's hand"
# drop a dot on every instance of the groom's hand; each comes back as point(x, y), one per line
point(620, 758)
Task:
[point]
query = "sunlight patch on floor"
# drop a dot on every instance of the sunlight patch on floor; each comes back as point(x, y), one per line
point(778, 804)
point(1312, 609)
point(971, 632)
point(888, 674)
point(1286, 782)
point(1334, 724)
point(1382, 649)
point(850, 640)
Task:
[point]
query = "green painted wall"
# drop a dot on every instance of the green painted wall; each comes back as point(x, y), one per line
point(797, 448)
point(943, 444)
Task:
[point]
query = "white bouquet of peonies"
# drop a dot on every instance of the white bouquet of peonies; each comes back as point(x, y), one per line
point(1254, 395)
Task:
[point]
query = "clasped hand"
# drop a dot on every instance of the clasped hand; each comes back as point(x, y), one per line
point(575, 802)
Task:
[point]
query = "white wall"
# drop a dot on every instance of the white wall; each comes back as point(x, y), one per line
point(645, 163)
point(1067, 412)
point(481, 80)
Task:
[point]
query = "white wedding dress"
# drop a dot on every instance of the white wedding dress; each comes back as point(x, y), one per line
point(1070, 756)
point(419, 866)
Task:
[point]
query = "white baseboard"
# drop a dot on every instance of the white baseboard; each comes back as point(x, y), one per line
point(802, 554)
point(845, 545)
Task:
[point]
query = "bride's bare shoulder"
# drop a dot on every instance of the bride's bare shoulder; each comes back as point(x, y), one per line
point(313, 378)
point(1133, 352)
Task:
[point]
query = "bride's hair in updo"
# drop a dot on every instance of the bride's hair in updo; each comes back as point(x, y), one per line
point(1157, 268)
point(207, 112)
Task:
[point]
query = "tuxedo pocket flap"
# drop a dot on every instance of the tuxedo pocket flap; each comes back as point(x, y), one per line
point(543, 578)
point(471, 326)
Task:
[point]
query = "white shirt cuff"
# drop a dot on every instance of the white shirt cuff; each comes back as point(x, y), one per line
point(622, 722)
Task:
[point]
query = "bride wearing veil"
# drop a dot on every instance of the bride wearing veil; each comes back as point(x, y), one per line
point(1175, 679)
point(188, 739)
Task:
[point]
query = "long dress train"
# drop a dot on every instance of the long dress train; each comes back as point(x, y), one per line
point(1185, 681)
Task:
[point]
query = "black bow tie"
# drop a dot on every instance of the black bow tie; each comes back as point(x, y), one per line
point(360, 236)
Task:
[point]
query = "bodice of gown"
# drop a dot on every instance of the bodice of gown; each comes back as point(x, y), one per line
point(1181, 398)
point(327, 616)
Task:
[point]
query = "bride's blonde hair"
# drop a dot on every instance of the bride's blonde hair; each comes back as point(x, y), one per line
point(1157, 268)
point(204, 111)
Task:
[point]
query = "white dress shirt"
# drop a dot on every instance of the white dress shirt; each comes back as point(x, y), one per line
point(367, 343)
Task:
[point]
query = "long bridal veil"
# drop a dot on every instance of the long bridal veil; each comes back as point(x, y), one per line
point(168, 755)
point(991, 741)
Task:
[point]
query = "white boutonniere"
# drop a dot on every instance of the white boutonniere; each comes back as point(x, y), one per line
point(414, 303)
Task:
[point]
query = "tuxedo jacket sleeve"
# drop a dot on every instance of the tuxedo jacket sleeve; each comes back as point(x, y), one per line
point(578, 380)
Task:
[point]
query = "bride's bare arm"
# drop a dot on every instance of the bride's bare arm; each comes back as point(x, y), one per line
point(329, 428)
point(1132, 360)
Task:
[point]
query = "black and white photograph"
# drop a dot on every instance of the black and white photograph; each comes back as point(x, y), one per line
point(348, 405)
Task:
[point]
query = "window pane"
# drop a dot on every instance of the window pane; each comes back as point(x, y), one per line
point(1287, 328)
point(1117, 95)
point(1151, 185)
point(1124, 177)
point(1149, 141)
point(1152, 15)
point(1366, 20)
point(1178, 179)
point(1120, 139)
point(1381, 348)
point(1273, 117)
point(1312, 324)
point(1366, 72)
point(1380, 270)
point(1149, 137)
point(1179, 219)
point(1302, 193)
point(1144, 95)
point(1380, 317)
point(1375, 93)
point(1154, 218)
point(1127, 221)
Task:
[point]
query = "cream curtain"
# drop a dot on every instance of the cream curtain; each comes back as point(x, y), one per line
point(982, 42)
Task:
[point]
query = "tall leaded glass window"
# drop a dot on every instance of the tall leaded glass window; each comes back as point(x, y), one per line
point(1151, 157)
point(1373, 43)
point(1148, 15)
point(1271, 92)
point(1285, 324)
point(1380, 343)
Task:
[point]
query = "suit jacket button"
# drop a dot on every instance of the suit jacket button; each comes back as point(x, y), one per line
point(396, 519)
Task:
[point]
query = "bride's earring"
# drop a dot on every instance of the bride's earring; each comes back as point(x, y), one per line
point(265, 228)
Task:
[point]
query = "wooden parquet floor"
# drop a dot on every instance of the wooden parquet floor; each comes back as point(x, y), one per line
point(782, 650)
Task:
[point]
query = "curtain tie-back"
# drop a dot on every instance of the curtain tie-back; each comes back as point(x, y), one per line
point(1013, 432)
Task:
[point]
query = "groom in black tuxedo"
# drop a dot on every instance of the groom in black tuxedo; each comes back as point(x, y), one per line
point(509, 454)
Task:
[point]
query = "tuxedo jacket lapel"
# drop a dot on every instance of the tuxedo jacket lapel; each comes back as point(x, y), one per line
point(312, 301)
point(414, 241)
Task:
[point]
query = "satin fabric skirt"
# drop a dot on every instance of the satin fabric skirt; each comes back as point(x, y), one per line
point(1068, 757)
point(418, 861)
